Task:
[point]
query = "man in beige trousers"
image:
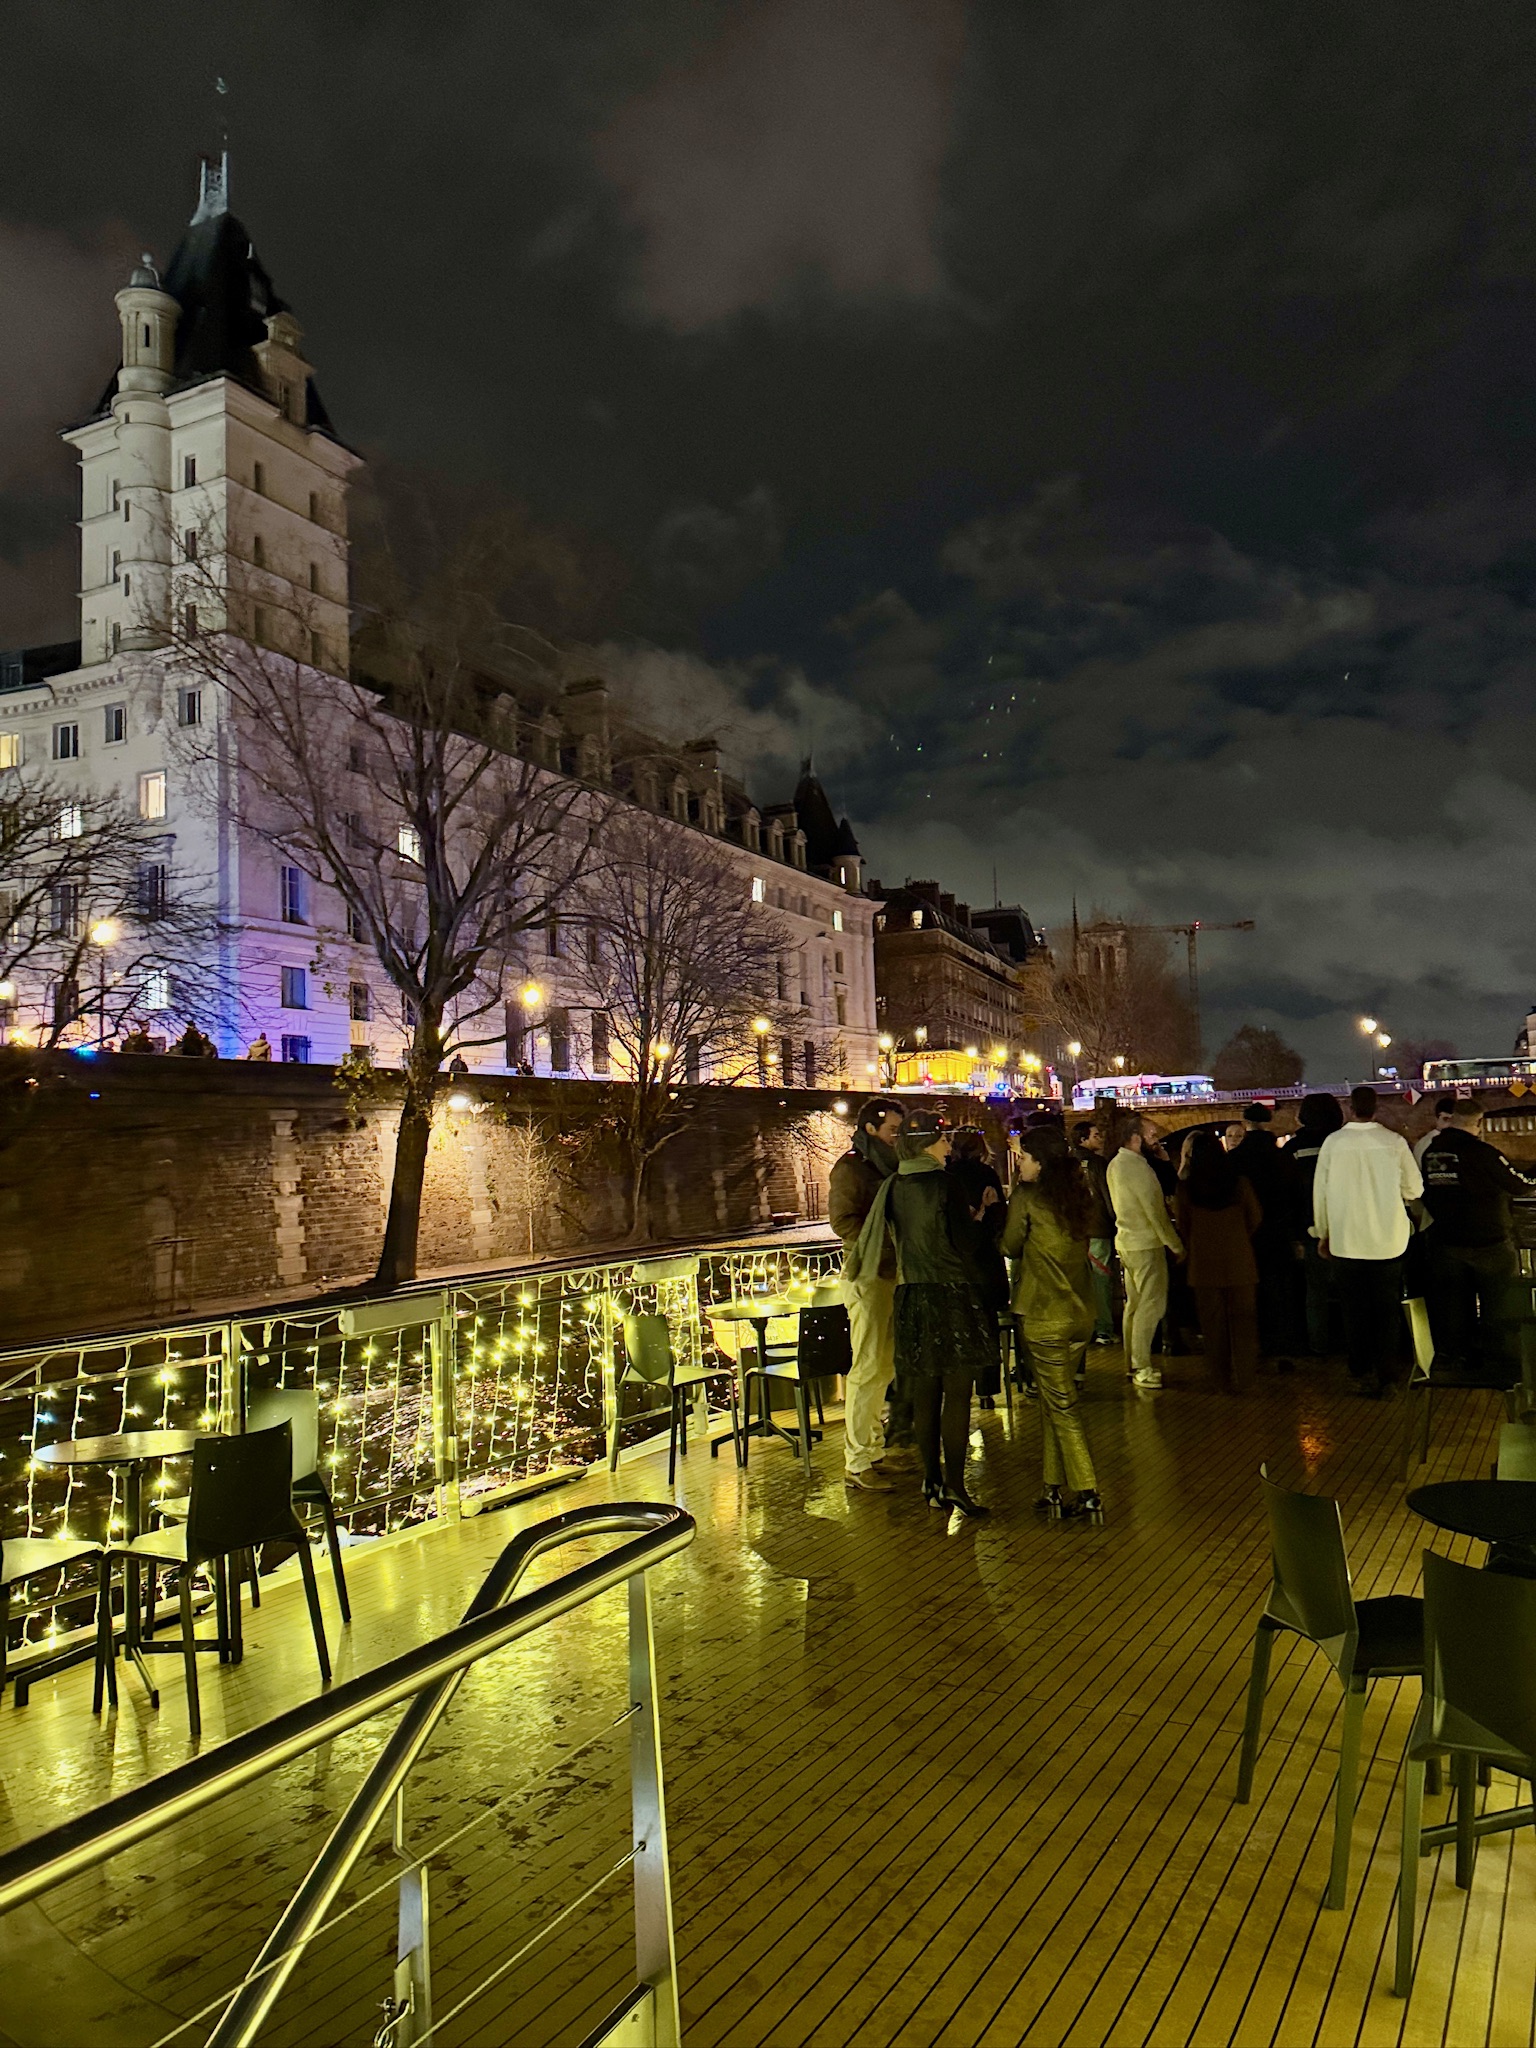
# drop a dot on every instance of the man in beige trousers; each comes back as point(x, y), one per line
point(871, 1300)
point(1144, 1235)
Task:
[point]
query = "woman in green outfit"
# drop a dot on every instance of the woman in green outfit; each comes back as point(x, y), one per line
point(1050, 1215)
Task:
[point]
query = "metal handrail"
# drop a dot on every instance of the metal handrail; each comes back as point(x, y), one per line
point(656, 1531)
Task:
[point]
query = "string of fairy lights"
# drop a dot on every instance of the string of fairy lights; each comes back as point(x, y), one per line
point(531, 1361)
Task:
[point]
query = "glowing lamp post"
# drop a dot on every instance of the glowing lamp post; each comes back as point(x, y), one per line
point(761, 1028)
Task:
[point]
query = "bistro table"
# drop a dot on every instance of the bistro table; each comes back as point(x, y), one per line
point(758, 1311)
point(1499, 1512)
point(134, 1450)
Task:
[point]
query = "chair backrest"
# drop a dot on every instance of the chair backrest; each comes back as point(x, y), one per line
point(1416, 1309)
point(648, 1347)
point(1311, 1592)
point(827, 1293)
point(1480, 1654)
point(299, 1407)
point(242, 1493)
point(824, 1344)
point(1517, 1450)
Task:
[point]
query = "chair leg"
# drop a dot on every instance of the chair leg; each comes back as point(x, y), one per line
point(189, 1657)
point(682, 1418)
point(221, 1606)
point(333, 1544)
point(1408, 1877)
point(1344, 1804)
point(5, 1630)
point(151, 1598)
point(1464, 1778)
point(252, 1576)
point(316, 1620)
point(672, 1427)
point(821, 1413)
point(1429, 1404)
point(613, 1434)
point(735, 1421)
point(803, 1413)
point(106, 1642)
point(1253, 1720)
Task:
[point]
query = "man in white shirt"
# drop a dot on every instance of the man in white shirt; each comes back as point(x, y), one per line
point(1143, 1237)
point(1365, 1177)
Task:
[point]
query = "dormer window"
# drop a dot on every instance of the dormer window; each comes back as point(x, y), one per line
point(917, 920)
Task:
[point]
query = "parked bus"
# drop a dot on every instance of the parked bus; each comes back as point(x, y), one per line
point(1135, 1091)
point(1479, 1073)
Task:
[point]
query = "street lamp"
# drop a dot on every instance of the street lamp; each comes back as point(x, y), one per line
point(103, 935)
point(920, 1035)
point(1119, 1060)
point(1380, 1040)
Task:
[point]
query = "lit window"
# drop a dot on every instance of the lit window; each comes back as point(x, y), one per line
point(837, 920)
point(10, 749)
point(408, 843)
point(71, 821)
point(917, 920)
point(759, 891)
point(114, 720)
point(157, 989)
point(295, 988)
point(152, 794)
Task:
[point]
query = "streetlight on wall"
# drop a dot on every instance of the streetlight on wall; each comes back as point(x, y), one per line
point(1370, 1028)
point(103, 935)
point(531, 997)
point(761, 1027)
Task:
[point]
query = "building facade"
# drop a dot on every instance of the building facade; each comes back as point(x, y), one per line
point(213, 425)
point(953, 979)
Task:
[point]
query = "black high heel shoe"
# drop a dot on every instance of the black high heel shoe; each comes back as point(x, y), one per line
point(1087, 1507)
point(933, 1493)
point(963, 1504)
point(1050, 1503)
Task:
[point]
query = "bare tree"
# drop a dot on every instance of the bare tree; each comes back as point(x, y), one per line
point(1122, 1001)
point(93, 920)
point(678, 964)
point(414, 787)
point(1256, 1057)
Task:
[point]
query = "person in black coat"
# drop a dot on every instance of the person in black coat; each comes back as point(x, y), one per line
point(983, 1190)
point(1276, 1245)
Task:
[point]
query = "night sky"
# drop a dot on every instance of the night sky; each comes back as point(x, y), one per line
point(1104, 433)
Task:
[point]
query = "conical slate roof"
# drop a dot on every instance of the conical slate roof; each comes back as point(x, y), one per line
point(825, 836)
point(226, 298)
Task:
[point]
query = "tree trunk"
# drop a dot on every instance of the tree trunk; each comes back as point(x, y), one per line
point(402, 1228)
point(639, 1198)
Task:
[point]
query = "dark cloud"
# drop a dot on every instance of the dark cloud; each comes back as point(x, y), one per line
point(1105, 433)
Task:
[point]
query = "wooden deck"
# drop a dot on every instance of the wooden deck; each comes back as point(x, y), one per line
point(927, 1785)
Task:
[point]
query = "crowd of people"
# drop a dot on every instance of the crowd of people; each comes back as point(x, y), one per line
point(1219, 1238)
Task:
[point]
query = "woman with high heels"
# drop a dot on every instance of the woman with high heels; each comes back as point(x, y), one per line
point(1050, 1218)
point(969, 1163)
point(945, 1333)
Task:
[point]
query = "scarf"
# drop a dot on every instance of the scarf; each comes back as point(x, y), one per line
point(863, 1255)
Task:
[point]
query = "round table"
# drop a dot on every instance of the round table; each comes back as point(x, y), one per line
point(133, 1449)
point(1499, 1512)
point(759, 1311)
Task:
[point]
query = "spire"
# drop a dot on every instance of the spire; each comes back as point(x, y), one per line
point(212, 188)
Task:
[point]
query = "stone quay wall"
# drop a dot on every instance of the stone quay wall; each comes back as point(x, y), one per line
point(139, 1188)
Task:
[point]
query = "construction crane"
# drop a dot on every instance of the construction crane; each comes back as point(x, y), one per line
point(1191, 934)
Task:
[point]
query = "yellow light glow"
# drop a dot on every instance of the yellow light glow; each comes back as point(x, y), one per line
point(971, 1052)
point(663, 1050)
point(839, 1109)
point(999, 1053)
point(1119, 1059)
point(1367, 1024)
point(104, 933)
point(1383, 1039)
point(7, 991)
point(1074, 1048)
point(460, 1102)
point(761, 1026)
point(921, 1034)
point(886, 1041)
point(532, 995)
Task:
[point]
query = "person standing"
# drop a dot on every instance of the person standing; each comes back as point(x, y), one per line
point(1316, 1119)
point(984, 1196)
point(1050, 1214)
point(1444, 1114)
point(871, 1301)
point(1144, 1237)
point(1275, 1245)
point(1472, 1258)
point(944, 1332)
point(1218, 1215)
point(1365, 1178)
point(1088, 1147)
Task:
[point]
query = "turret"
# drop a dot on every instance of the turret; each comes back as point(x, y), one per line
point(140, 562)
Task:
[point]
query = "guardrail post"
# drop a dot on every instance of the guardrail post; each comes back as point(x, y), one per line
point(412, 2014)
point(231, 1381)
point(655, 1939)
point(442, 1345)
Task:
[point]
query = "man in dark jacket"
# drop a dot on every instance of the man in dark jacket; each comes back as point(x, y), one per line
point(1467, 1190)
point(871, 1299)
point(1089, 1148)
point(1276, 1245)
